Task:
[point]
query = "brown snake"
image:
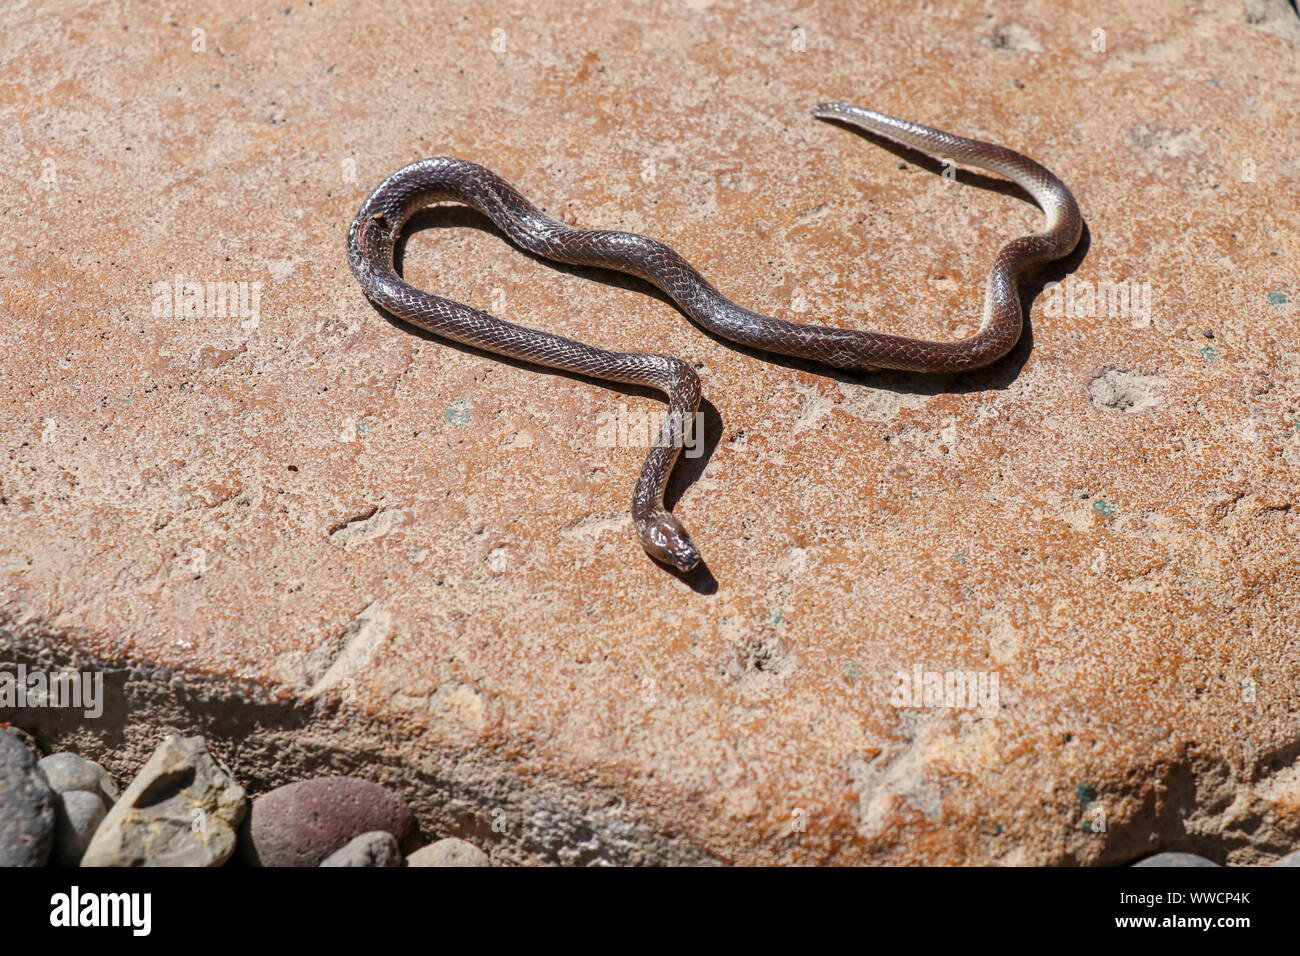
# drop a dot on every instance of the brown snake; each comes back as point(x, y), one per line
point(373, 234)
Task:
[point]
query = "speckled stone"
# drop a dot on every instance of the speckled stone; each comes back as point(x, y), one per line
point(429, 551)
point(1175, 860)
point(27, 740)
point(448, 852)
point(26, 806)
point(303, 823)
point(378, 848)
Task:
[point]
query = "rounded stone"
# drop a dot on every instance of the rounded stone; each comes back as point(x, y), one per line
point(28, 741)
point(26, 807)
point(301, 824)
point(1291, 859)
point(377, 848)
point(448, 852)
point(1176, 859)
point(83, 794)
point(67, 771)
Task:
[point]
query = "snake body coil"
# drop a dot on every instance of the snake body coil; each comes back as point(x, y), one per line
point(373, 234)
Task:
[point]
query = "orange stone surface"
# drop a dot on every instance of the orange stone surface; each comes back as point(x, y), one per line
point(331, 544)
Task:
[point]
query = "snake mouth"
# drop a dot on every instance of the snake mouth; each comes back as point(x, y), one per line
point(682, 563)
point(686, 562)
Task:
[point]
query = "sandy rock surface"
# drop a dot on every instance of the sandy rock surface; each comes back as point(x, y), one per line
point(332, 545)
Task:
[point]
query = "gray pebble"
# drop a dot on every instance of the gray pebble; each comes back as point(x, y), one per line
point(28, 741)
point(377, 848)
point(26, 806)
point(1291, 859)
point(84, 793)
point(448, 852)
point(1175, 859)
point(67, 771)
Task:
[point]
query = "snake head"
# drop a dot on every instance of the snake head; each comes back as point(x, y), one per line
point(665, 540)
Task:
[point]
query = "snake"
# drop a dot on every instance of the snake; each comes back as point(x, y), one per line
point(373, 235)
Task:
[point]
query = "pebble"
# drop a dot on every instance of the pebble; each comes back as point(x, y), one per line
point(1175, 859)
point(300, 824)
point(448, 852)
point(26, 806)
point(28, 741)
point(182, 809)
point(1291, 859)
point(84, 792)
point(377, 848)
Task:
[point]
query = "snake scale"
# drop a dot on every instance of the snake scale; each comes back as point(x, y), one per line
point(374, 233)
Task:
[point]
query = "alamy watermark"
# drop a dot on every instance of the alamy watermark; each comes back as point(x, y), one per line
point(1081, 299)
point(954, 690)
point(188, 298)
point(625, 428)
point(84, 691)
point(129, 910)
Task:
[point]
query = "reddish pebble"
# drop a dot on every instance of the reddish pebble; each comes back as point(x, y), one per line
point(300, 824)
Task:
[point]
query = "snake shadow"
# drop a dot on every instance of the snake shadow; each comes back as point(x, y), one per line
point(688, 469)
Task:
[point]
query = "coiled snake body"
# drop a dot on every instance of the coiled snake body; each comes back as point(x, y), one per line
point(373, 234)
